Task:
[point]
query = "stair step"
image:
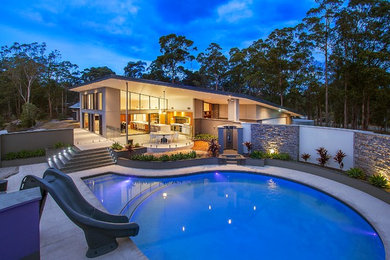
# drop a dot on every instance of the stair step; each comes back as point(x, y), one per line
point(86, 167)
point(91, 157)
point(87, 163)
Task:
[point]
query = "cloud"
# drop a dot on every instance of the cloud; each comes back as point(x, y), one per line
point(234, 11)
point(94, 33)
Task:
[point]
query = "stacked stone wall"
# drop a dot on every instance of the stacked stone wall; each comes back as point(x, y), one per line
point(280, 138)
point(372, 153)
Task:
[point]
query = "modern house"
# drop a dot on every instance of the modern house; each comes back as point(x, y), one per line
point(158, 106)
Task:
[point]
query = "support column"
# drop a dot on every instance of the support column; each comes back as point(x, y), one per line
point(221, 139)
point(240, 135)
point(233, 110)
point(127, 113)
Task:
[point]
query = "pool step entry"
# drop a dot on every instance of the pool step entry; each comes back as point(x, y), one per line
point(72, 159)
point(231, 158)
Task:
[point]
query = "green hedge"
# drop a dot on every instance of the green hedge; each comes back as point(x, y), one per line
point(165, 157)
point(264, 155)
point(25, 154)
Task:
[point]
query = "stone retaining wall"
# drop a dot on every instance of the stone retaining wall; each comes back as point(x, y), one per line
point(372, 153)
point(281, 138)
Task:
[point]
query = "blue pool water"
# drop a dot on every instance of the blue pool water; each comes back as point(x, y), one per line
point(232, 215)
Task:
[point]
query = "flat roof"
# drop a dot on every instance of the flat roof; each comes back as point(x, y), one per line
point(175, 91)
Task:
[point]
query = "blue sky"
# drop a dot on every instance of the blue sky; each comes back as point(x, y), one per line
point(113, 32)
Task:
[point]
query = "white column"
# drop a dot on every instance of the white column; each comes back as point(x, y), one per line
point(233, 110)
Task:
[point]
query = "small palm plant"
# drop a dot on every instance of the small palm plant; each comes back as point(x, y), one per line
point(305, 156)
point(324, 156)
point(249, 147)
point(339, 158)
point(213, 148)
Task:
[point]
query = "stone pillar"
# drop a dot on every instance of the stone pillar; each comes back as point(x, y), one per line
point(234, 110)
point(240, 132)
point(221, 138)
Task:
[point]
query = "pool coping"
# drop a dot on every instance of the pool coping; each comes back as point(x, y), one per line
point(373, 209)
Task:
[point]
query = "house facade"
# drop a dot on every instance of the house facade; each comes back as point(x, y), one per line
point(117, 105)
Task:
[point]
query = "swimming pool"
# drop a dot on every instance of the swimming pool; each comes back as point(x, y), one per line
point(230, 215)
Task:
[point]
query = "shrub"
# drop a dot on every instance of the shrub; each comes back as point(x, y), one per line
point(25, 154)
point(137, 145)
point(264, 155)
point(29, 115)
point(378, 180)
point(164, 157)
point(213, 148)
point(281, 156)
point(305, 156)
point(339, 158)
point(356, 173)
point(116, 146)
point(324, 156)
point(204, 137)
point(143, 157)
point(60, 145)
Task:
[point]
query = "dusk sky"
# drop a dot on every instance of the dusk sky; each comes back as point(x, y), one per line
point(112, 32)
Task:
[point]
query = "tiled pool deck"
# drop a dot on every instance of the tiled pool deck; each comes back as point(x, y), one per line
point(61, 239)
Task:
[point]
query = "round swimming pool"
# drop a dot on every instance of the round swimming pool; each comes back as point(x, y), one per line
point(232, 215)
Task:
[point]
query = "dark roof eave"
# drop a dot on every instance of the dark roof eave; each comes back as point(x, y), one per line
point(167, 84)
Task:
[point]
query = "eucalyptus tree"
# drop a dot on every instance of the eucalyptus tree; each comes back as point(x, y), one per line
point(237, 70)
point(176, 50)
point(155, 71)
point(255, 68)
point(135, 69)
point(319, 21)
point(278, 56)
point(213, 64)
point(23, 65)
point(94, 73)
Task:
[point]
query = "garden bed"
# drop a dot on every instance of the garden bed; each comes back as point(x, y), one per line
point(26, 161)
point(332, 174)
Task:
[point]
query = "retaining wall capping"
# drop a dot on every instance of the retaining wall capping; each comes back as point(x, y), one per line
point(372, 153)
point(166, 165)
point(281, 138)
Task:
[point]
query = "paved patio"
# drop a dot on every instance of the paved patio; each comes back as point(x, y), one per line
point(61, 239)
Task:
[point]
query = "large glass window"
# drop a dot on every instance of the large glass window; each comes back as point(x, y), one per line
point(86, 117)
point(144, 102)
point(99, 101)
point(90, 104)
point(123, 100)
point(163, 103)
point(135, 101)
point(154, 103)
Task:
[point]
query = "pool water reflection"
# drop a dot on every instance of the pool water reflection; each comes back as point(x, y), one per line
point(230, 215)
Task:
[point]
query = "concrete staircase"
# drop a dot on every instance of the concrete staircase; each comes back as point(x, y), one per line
point(231, 157)
point(73, 160)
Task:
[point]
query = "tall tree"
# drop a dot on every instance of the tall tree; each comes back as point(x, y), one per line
point(94, 73)
point(319, 22)
point(213, 64)
point(237, 69)
point(23, 64)
point(175, 51)
point(135, 69)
